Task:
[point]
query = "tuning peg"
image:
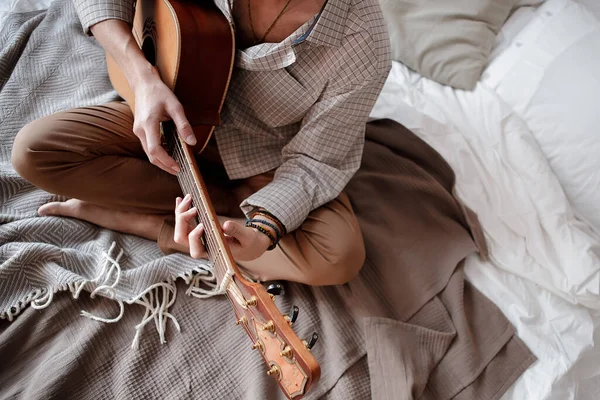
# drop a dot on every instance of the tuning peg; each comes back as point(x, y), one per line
point(273, 371)
point(275, 288)
point(286, 352)
point(311, 342)
point(293, 315)
point(257, 345)
point(252, 301)
point(269, 326)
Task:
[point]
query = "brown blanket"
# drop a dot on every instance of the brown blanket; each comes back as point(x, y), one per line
point(408, 327)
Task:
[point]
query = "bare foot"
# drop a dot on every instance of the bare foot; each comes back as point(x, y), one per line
point(143, 225)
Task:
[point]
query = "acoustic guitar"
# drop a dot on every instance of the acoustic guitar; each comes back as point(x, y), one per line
point(191, 44)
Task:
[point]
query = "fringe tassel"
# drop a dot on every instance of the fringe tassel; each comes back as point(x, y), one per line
point(15, 310)
point(105, 289)
point(202, 285)
point(157, 299)
point(41, 298)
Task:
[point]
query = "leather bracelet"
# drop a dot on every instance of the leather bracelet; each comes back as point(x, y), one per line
point(264, 231)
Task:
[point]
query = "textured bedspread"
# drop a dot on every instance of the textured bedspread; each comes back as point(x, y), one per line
point(408, 327)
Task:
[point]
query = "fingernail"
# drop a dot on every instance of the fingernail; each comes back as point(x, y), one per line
point(176, 168)
point(187, 196)
point(191, 140)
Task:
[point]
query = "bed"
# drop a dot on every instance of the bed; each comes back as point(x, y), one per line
point(520, 174)
point(510, 171)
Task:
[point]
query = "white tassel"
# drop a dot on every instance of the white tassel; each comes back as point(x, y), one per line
point(157, 299)
point(199, 283)
point(157, 309)
point(76, 287)
point(106, 320)
point(45, 300)
point(105, 289)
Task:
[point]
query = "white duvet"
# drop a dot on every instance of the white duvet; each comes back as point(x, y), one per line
point(545, 267)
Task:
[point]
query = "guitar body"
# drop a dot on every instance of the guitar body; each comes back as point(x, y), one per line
point(191, 44)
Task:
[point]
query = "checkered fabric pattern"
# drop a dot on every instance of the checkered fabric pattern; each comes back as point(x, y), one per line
point(299, 106)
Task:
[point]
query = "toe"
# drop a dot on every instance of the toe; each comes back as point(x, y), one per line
point(68, 208)
point(49, 209)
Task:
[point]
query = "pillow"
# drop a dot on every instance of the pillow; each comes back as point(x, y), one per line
point(592, 5)
point(448, 41)
point(550, 76)
point(519, 19)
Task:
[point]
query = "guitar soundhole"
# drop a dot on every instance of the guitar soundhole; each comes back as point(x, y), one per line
point(149, 50)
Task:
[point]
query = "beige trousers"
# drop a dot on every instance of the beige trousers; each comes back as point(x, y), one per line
point(92, 154)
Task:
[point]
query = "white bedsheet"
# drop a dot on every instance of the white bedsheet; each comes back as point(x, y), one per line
point(545, 270)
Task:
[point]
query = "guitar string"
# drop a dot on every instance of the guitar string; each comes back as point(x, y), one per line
point(215, 252)
point(211, 247)
point(192, 190)
point(201, 215)
point(188, 187)
point(188, 183)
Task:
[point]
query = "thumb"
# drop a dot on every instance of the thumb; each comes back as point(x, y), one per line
point(238, 232)
point(183, 126)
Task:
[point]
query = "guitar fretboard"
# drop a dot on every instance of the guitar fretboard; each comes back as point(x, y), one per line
point(191, 183)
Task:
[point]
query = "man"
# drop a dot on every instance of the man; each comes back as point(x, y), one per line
point(306, 76)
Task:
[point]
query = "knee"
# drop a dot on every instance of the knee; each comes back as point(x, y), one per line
point(23, 155)
point(340, 263)
point(34, 149)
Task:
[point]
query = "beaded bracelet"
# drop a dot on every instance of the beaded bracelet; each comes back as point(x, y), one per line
point(270, 225)
point(268, 214)
point(266, 232)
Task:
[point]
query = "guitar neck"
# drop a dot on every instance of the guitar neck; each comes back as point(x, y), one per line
point(191, 182)
point(288, 358)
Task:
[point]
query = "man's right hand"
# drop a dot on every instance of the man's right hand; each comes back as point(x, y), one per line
point(154, 101)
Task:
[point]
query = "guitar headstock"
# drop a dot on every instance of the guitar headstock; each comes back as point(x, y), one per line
point(288, 359)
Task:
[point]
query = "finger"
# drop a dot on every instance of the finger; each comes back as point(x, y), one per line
point(188, 215)
point(183, 126)
point(183, 215)
point(162, 166)
point(182, 230)
point(184, 204)
point(197, 250)
point(156, 153)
